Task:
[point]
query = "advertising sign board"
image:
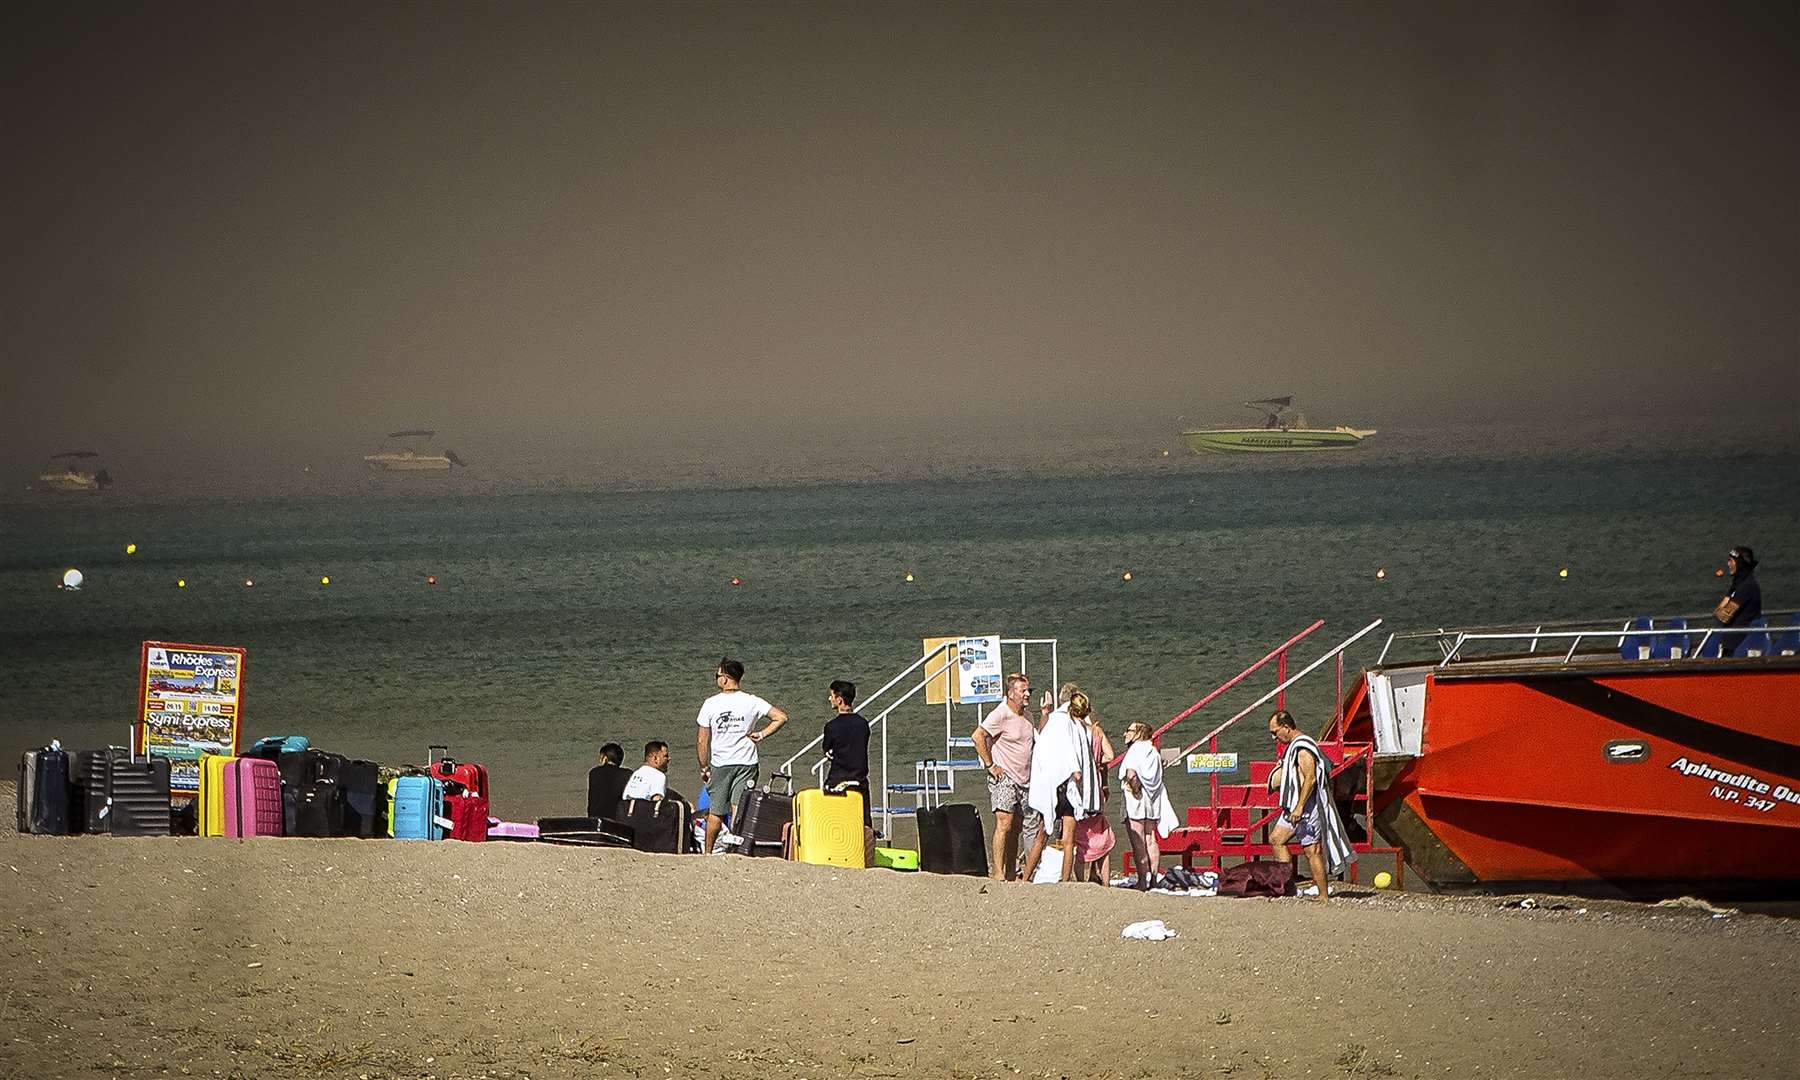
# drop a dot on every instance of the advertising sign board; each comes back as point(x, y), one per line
point(190, 700)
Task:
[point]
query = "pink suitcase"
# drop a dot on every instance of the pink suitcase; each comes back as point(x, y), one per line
point(252, 798)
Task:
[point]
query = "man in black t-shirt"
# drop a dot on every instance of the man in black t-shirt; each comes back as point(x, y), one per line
point(847, 745)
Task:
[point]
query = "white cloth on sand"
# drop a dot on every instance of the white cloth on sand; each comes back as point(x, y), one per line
point(1148, 930)
point(1143, 758)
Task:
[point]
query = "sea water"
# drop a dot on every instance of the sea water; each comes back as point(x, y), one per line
point(562, 620)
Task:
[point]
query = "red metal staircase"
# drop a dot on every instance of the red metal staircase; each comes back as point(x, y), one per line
point(1233, 825)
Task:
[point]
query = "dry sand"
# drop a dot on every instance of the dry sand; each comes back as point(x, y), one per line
point(222, 958)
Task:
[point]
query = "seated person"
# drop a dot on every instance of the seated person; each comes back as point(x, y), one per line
point(650, 781)
point(606, 782)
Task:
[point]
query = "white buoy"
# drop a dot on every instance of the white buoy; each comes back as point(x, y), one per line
point(72, 578)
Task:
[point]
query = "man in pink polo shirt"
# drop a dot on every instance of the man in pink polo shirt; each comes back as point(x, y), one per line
point(1003, 743)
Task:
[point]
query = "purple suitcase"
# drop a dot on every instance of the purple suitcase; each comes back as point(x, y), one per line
point(252, 798)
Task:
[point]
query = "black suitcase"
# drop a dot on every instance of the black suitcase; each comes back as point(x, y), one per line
point(606, 786)
point(760, 819)
point(585, 831)
point(660, 825)
point(951, 841)
point(44, 802)
point(138, 795)
point(365, 800)
point(309, 781)
point(88, 805)
point(318, 809)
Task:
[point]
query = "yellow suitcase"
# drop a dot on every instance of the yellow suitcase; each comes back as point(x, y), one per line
point(212, 793)
point(828, 829)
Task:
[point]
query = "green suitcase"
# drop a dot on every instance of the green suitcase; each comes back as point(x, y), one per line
point(894, 858)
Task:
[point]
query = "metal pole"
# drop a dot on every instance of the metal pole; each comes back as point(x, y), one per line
point(1281, 680)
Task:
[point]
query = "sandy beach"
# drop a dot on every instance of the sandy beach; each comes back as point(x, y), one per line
point(284, 957)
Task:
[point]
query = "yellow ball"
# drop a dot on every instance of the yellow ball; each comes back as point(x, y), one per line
point(1383, 880)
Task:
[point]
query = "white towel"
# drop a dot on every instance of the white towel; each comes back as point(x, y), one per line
point(1333, 841)
point(1148, 930)
point(1143, 758)
point(1062, 750)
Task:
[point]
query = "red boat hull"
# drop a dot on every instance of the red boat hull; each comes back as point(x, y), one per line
point(1634, 778)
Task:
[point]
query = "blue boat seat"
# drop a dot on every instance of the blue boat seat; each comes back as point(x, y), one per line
point(1671, 646)
point(1638, 646)
point(1760, 643)
point(1787, 643)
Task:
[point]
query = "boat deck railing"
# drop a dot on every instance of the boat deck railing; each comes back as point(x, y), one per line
point(1667, 637)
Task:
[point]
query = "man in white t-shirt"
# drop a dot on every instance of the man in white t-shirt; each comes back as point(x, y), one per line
point(651, 780)
point(728, 740)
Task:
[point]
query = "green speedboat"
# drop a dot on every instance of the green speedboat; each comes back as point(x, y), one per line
point(1281, 432)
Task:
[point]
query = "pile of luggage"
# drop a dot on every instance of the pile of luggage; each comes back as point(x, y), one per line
point(283, 786)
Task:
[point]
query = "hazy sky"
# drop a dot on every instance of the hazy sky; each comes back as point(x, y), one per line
point(291, 221)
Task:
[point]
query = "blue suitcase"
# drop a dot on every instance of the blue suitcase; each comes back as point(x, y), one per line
point(418, 809)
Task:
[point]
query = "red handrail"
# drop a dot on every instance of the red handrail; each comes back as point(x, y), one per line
point(1280, 650)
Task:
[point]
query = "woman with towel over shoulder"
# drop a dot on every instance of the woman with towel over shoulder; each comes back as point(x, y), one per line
point(1065, 782)
point(1147, 807)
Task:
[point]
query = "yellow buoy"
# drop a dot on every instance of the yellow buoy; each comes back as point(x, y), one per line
point(909, 576)
point(1564, 572)
point(326, 580)
point(181, 583)
point(1383, 880)
point(131, 549)
point(431, 579)
point(249, 583)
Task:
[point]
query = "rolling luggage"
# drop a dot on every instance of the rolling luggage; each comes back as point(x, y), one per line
point(44, 792)
point(362, 799)
point(828, 829)
point(656, 825)
point(252, 798)
point(272, 747)
point(470, 775)
point(214, 773)
point(416, 808)
point(137, 795)
point(584, 831)
point(312, 803)
point(87, 805)
point(951, 841)
point(761, 817)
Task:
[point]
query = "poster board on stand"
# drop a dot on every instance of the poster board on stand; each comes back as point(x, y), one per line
point(190, 703)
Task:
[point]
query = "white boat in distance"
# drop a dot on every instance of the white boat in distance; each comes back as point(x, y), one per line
point(73, 476)
point(409, 458)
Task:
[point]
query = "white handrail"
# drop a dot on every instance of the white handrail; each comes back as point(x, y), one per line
point(787, 767)
point(1575, 637)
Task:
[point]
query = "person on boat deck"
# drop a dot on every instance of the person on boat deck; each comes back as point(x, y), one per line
point(1308, 815)
point(1743, 599)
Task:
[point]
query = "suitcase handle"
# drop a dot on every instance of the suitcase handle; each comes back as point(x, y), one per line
point(429, 759)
